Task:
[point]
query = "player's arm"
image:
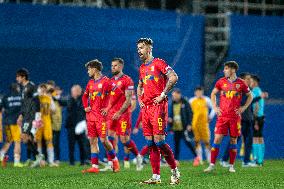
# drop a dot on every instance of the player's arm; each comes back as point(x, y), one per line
point(85, 98)
point(246, 105)
point(209, 105)
point(214, 101)
point(137, 124)
point(140, 93)
point(172, 79)
point(125, 105)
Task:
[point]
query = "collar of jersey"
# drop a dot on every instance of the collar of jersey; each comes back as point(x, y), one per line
point(232, 81)
point(150, 62)
point(98, 80)
point(118, 77)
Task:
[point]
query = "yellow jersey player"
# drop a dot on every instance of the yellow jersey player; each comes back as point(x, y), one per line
point(200, 106)
point(46, 107)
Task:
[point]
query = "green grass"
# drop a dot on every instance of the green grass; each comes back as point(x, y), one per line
point(269, 176)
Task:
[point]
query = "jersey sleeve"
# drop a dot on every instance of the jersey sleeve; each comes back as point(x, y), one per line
point(129, 84)
point(163, 67)
point(85, 96)
point(218, 85)
point(245, 88)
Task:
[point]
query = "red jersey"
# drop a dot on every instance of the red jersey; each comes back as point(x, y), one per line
point(96, 95)
point(117, 94)
point(231, 95)
point(153, 76)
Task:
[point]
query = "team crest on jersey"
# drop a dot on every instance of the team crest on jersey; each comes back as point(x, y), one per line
point(238, 86)
point(225, 85)
point(119, 83)
point(152, 68)
point(100, 86)
point(91, 87)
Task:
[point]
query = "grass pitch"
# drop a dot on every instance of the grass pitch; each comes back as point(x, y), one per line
point(65, 176)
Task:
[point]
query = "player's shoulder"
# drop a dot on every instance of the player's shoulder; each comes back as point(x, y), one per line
point(159, 60)
point(127, 77)
point(222, 79)
point(240, 80)
point(192, 99)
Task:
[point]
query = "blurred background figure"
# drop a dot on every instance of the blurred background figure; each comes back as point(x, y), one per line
point(180, 118)
point(11, 107)
point(201, 105)
point(75, 114)
point(56, 118)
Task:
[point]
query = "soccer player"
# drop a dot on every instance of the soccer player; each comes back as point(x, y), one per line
point(30, 116)
point(47, 106)
point(156, 80)
point(11, 104)
point(97, 93)
point(258, 111)
point(231, 89)
point(200, 105)
point(119, 111)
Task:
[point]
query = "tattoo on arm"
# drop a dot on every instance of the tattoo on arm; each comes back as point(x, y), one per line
point(127, 102)
point(172, 80)
point(140, 88)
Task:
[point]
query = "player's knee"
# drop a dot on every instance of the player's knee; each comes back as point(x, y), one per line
point(233, 140)
point(158, 138)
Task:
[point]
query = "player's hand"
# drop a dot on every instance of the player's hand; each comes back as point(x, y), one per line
point(88, 109)
point(217, 111)
point(141, 104)
point(135, 131)
point(209, 120)
point(240, 110)
point(264, 95)
point(116, 116)
point(189, 128)
point(256, 127)
point(20, 120)
point(158, 99)
point(104, 111)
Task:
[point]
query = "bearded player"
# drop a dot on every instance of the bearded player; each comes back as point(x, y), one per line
point(156, 80)
point(119, 110)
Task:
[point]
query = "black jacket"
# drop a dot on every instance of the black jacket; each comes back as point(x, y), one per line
point(75, 112)
point(185, 112)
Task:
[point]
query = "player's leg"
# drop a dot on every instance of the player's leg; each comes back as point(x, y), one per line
point(206, 140)
point(235, 133)
point(3, 157)
point(102, 132)
point(47, 133)
point(159, 122)
point(177, 139)
point(93, 139)
point(188, 138)
point(197, 138)
point(247, 136)
point(112, 124)
point(16, 138)
point(261, 141)
point(155, 156)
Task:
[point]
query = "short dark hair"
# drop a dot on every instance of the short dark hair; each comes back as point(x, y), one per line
point(176, 90)
point(244, 74)
point(94, 64)
point(255, 78)
point(199, 88)
point(120, 60)
point(43, 85)
point(147, 41)
point(232, 64)
point(23, 72)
